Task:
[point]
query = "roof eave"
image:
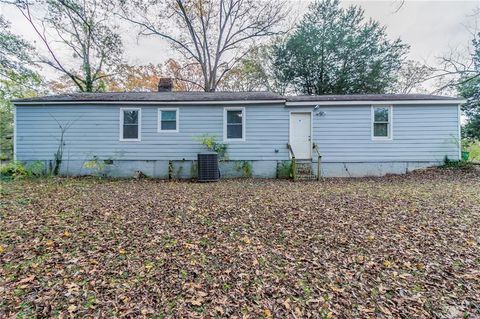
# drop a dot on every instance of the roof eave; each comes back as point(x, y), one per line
point(380, 102)
point(214, 102)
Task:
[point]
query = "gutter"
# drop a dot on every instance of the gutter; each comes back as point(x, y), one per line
point(44, 103)
point(386, 102)
point(246, 102)
point(14, 133)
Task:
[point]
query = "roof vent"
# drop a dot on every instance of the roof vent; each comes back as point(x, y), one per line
point(165, 85)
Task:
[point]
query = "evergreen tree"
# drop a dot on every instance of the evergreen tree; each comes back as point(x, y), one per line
point(337, 51)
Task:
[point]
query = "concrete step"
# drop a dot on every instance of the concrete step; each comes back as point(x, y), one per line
point(306, 177)
point(304, 168)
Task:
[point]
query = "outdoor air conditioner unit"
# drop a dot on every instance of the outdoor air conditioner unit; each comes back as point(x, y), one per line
point(208, 167)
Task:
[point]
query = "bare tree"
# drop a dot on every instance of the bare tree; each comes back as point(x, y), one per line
point(256, 72)
point(461, 64)
point(411, 77)
point(213, 34)
point(399, 5)
point(185, 76)
point(82, 29)
point(455, 68)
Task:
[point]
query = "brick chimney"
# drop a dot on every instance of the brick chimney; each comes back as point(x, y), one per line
point(165, 85)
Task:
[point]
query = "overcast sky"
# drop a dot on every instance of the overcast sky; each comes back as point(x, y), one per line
point(431, 28)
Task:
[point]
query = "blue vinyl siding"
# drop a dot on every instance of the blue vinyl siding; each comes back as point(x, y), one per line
point(421, 133)
point(95, 132)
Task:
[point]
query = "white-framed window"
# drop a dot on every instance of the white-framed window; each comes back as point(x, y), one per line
point(234, 124)
point(382, 122)
point(168, 120)
point(130, 123)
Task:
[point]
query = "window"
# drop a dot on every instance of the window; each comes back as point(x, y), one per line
point(234, 124)
point(382, 122)
point(168, 120)
point(130, 124)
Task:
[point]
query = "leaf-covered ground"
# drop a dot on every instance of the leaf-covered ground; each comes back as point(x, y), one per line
point(404, 246)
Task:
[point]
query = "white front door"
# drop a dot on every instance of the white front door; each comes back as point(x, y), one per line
point(300, 135)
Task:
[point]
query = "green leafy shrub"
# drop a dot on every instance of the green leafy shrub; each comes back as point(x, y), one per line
point(448, 163)
point(284, 169)
point(36, 169)
point(245, 167)
point(210, 142)
point(13, 170)
point(96, 166)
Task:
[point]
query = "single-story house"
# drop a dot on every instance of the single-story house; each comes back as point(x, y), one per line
point(158, 133)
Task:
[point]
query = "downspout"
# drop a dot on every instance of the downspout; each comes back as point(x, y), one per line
point(14, 132)
point(459, 133)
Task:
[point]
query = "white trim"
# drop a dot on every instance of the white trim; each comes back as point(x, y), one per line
point(244, 117)
point(290, 131)
point(390, 123)
point(159, 119)
point(398, 102)
point(14, 133)
point(154, 102)
point(122, 109)
point(459, 114)
point(292, 103)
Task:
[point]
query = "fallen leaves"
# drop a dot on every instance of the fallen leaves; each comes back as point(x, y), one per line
point(267, 313)
point(287, 305)
point(26, 280)
point(72, 308)
point(149, 266)
point(196, 301)
point(246, 240)
point(381, 247)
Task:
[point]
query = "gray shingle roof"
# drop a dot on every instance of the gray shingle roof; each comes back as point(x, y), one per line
point(221, 96)
point(157, 96)
point(368, 97)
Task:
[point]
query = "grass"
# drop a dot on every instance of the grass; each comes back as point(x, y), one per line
point(474, 149)
point(398, 246)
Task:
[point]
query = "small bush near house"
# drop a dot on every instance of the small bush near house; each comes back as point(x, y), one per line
point(448, 163)
point(36, 169)
point(284, 169)
point(96, 166)
point(245, 167)
point(16, 170)
point(210, 142)
point(13, 170)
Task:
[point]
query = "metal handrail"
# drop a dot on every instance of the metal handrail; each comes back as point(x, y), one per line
point(293, 167)
point(319, 160)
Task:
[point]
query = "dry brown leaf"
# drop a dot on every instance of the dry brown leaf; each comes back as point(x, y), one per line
point(26, 279)
point(196, 301)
